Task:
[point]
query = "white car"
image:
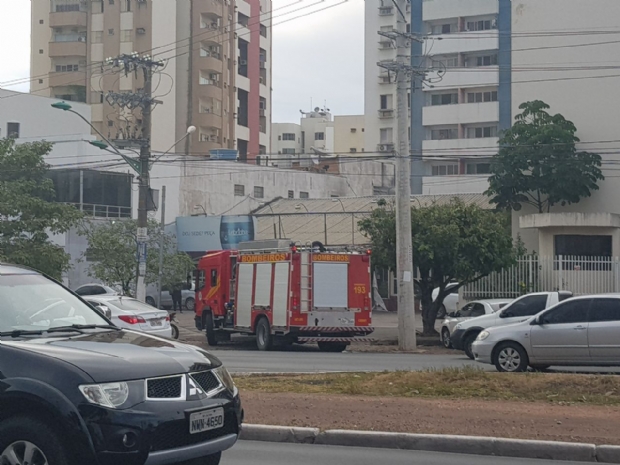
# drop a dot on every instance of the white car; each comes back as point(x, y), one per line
point(129, 313)
point(95, 289)
point(582, 331)
point(451, 301)
point(471, 310)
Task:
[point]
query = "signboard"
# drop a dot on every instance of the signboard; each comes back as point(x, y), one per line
point(203, 233)
point(330, 258)
point(141, 252)
point(263, 257)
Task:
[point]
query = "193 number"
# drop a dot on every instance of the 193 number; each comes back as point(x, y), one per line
point(359, 289)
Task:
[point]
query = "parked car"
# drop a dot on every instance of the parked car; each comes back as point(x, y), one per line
point(471, 310)
point(188, 297)
point(577, 332)
point(95, 289)
point(466, 332)
point(450, 303)
point(130, 313)
point(78, 390)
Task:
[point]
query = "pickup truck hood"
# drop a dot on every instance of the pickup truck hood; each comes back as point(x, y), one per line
point(483, 321)
point(121, 355)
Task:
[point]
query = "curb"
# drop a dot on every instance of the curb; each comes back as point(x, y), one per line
point(473, 445)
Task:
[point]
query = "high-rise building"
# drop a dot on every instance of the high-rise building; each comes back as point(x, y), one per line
point(217, 75)
point(466, 99)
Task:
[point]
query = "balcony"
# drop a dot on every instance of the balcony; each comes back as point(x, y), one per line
point(465, 147)
point(69, 19)
point(208, 119)
point(465, 113)
point(461, 184)
point(385, 147)
point(211, 63)
point(74, 78)
point(386, 113)
point(385, 79)
point(466, 42)
point(484, 76)
point(68, 45)
point(386, 11)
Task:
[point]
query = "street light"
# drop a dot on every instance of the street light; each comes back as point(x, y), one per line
point(299, 206)
point(336, 199)
point(190, 131)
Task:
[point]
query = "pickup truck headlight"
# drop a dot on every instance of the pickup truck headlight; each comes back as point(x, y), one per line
point(111, 395)
point(483, 335)
point(226, 379)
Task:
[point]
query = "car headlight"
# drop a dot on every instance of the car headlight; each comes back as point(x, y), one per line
point(457, 327)
point(111, 395)
point(483, 335)
point(226, 379)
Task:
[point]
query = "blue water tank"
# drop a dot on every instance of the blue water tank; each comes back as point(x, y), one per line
point(224, 154)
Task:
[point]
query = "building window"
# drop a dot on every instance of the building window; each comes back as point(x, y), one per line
point(127, 35)
point(41, 21)
point(40, 81)
point(478, 168)
point(259, 192)
point(583, 246)
point(66, 68)
point(385, 135)
point(239, 190)
point(479, 61)
point(386, 102)
point(12, 130)
point(444, 134)
point(110, 124)
point(319, 136)
point(263, 30)
point(97, 37)
point(353, 150)
point(445, 170)
point(288, 151)
point(68, 7)
point(444, 99)
point(291, 194)
point(479, 97)
point(110, 32)
point(127, 5)
point(288, 136)
point(111, 2)
point(353, 130)
point(444, 28)
point(485, 25)
point(482, 132)
point(304, 195)
point(40, 51)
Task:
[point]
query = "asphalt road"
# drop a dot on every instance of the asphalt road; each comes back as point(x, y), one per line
point(304, 362)
point(265, 453)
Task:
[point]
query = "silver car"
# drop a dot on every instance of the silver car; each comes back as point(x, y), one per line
point(188, 298)
point(576, 332)
point(471, 310)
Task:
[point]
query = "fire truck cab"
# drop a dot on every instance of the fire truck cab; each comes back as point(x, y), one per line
point(285, 293)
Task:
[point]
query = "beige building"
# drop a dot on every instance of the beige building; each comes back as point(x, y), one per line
point(349, 134)
point(217, 75)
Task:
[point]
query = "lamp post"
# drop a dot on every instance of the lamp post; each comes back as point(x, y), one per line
point(300, 206)
point(336, 199)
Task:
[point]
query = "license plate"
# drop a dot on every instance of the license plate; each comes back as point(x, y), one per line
point(157, 322)
point(206, 420)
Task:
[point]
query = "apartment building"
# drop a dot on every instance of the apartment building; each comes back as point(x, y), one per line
point(464, 95)
point(217, 75)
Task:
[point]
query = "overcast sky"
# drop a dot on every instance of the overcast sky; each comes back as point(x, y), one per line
point(319, 56)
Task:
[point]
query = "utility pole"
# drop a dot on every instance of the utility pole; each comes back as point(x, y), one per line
point(404, 250)
point(161, 244)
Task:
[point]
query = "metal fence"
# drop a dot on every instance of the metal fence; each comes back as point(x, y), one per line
point(580, 275)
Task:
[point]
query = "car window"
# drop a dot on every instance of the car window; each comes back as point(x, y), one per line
point(33, 302)
point(575, 311)
point(97, 290)
point(477, 310)
point(526, 306)
point(454, 290)
point(84, 290)
point(605, 310)
point(465, 311)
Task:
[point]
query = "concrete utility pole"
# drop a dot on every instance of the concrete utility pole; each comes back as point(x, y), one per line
point(404, 249)
point(161, 244)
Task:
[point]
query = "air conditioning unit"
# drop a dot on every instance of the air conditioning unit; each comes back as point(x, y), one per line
point(243, 62)
point(213, 76)
point(214, 25)
point(141, 31)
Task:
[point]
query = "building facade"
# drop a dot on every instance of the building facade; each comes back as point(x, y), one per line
point(349, 131)
point(462, 102)
point(217, 75)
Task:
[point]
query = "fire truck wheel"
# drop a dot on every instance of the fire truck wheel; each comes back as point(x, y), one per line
point(332, 346)
point(211, 339)
point(264, 341)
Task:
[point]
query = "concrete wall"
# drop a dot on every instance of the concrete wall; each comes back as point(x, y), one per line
point(349, 133)
point(588, 97)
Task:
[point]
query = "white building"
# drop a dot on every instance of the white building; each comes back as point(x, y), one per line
point(461, 114)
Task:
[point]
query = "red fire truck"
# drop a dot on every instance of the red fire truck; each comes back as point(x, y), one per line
point(285, 293)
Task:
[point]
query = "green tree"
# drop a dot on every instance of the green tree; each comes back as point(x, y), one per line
point(453, 242)
point(539, 165)
point(112, 251)
point(28, 213)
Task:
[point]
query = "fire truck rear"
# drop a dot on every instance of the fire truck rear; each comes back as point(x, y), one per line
point(285, 293)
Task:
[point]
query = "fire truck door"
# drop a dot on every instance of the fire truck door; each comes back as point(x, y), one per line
point(245, 283)
point(280, 294)
point(214, 285)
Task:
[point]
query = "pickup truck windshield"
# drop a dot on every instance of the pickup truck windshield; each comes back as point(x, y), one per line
point(35, 303)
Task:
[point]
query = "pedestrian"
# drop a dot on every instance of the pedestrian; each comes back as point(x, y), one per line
point(177, 297)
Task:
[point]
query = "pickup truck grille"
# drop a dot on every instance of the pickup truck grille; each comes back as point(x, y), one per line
point(207, 380)
point(164, 388)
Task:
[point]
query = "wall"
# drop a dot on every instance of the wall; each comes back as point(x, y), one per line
point(344, 138)
point(589, 97)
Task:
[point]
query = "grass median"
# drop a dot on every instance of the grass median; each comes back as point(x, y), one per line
point(453, 383)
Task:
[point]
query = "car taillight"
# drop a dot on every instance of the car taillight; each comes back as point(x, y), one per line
point(132, 320)
point(168, 318)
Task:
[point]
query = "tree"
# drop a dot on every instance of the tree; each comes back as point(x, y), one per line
point(112, 251)
point(28, 213)
point(539, 165)
point(453, 242)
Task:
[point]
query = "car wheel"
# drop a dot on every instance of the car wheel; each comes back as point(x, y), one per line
point(332, 346)
point(151, 301)
point(175, 331)
point(210, 329)
point(190, 304)
point(441, 313)
point(208, 460)
point(467, 343)
point(445, 338)
point(264, 341)
point(25, 440)
point(510, 357)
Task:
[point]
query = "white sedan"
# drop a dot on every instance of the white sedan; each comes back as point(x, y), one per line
point(471, 310)
point(130, 313)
